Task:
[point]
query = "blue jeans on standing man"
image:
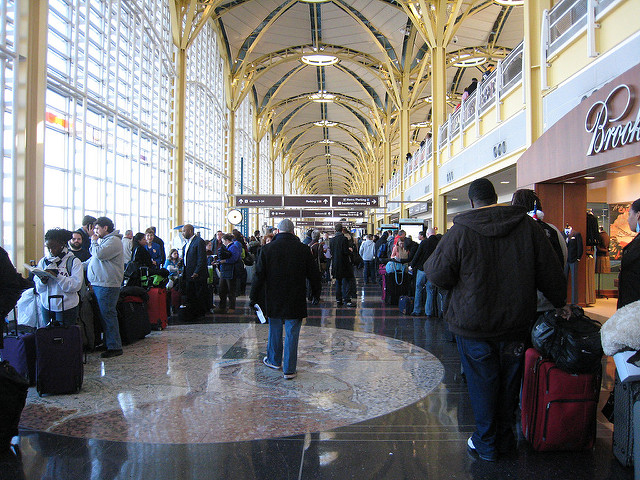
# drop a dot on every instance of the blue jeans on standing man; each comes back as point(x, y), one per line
point(421, 280)
point(493, 370)
point(107, 298)
point(369, 272)
point(343, 286)
point(276, 355)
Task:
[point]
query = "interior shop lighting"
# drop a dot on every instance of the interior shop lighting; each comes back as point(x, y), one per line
point(589, 178)
point(320, 60)
point(504, 182)
point(420, 124)
point(322, 97)
point(324, 123)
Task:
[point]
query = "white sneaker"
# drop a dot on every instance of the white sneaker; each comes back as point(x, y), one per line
point(270, 365)
point(290, 376)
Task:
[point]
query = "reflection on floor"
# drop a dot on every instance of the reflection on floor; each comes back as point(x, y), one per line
point(387, 410)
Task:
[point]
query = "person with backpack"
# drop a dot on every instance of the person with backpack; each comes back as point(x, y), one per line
point(64, 276)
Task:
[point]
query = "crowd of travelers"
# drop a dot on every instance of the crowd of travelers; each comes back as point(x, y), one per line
point(500, 265)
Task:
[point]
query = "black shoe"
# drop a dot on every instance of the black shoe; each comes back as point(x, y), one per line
point(101, 348)
point(111, 353)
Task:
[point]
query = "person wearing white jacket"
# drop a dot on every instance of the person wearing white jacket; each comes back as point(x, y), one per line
point(105, 273)
point(368, 253)
point(65, 277)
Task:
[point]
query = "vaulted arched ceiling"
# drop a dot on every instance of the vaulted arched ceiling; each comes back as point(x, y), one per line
point(379, 44)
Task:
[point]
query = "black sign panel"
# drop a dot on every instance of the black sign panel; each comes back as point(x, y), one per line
point(317, 213)
point(307, 201)
point(284, 213)
point(355, 201)
point(258, 200)
point(348, 213)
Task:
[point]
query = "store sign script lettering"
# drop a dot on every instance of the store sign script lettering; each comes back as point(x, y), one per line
point(599, 123)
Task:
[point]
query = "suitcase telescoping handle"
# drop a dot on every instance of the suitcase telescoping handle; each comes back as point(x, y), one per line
point(61, 297)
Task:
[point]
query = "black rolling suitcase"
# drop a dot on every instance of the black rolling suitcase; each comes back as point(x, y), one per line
point(20, 351)
point(625, 395)
point(59, 366)
point(133, 318)
point(396, 285)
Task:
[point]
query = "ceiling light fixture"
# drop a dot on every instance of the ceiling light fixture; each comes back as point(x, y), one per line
point(589, 178)
point(318, 60)
point(509, 3)
point(322, 97)
point(326, 140)
point(421, 125)
point(504, 182)
point(468, 60)
point(324, 123)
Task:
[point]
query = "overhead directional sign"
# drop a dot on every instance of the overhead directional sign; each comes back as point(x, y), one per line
point(311, 223)
point(258, 200)
point(307, 201)
point(355, 201)
point(284, 213)
point(306, 213)
point(348, 213)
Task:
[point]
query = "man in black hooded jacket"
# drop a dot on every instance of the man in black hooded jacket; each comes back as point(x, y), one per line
point(493, 260)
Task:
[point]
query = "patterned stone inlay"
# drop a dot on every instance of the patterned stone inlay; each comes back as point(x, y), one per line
point(206, 383)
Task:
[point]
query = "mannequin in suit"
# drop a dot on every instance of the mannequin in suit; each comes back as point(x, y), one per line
point(195, 274)
point(575, 249)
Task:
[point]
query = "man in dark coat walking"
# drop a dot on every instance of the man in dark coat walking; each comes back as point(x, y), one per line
point(341, 266)
point(492, 260)
point(282, 268)
point(194, 258)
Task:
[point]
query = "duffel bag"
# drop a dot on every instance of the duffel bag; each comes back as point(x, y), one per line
point(572, 343)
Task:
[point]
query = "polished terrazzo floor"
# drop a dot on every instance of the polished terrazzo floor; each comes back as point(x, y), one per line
point(379, 396)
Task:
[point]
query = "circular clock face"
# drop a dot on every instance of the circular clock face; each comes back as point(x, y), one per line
point(234, 217)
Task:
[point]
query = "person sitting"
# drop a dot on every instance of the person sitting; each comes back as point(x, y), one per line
point(172, 264)
point(65, 276)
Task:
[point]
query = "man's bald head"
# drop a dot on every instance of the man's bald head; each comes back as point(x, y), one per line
point(187, 231)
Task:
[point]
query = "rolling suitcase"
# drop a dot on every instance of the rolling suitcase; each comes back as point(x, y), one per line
point(396, 285)
point(59, 365)
point(558, 408)
point(20, 351)
point(626, 394)
point(406, 304)
point(157, 308)
point(133, 320)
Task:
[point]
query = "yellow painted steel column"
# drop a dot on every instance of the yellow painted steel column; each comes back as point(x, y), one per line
point(180, 99)
point(231, 160)
point(405, 131)
point(533, 82)
point(438, 116)
point(256, 184)
point(29, 111)
point(387, 173)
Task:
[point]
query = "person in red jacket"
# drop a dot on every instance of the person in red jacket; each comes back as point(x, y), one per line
point(492, 260)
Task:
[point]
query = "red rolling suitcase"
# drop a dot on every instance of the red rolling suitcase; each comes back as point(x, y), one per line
point(157, 308)
point(59, 360)
point(558, 408)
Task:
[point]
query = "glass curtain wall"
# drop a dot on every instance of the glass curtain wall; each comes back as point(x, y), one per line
point(245, 149)
point(205, 134)
point(108, 113)
point(8, 57)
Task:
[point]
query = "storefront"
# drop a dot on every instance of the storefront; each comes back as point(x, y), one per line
point(590, 161)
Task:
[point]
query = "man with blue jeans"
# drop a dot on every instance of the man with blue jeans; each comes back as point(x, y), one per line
point(492, 260)
point(368, 253)
point(105, 273)
point(428, 243)
point(280, 288)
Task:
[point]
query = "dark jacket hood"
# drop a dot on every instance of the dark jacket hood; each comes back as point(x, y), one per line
point(492, 221)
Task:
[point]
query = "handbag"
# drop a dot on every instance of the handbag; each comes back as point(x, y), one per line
point(396, 268)
point(573, 344)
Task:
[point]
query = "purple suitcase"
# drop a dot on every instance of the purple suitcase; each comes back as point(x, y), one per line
point(59, 366)
point(20, 351)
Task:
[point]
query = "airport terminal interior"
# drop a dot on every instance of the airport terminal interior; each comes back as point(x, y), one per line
point(231, 114)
